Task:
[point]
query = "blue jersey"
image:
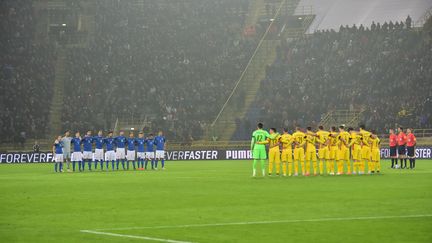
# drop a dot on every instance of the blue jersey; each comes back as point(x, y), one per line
point(99, 141)
point(87, 143)
point(140, 142)
point(76, 144)
point(120, 141)
point(110, 142)
point(150, 143)
point(159, 141)
point(58, 148)
point(131, 144)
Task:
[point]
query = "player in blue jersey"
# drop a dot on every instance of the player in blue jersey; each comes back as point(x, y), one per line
point(130, 155)
point(120, 141)
point(160, 142)
point(110, 154)
point(77, 155)
point(58, 153)
point(87, 142)
point(149, 154)
point(140, 141)
point(99, 153)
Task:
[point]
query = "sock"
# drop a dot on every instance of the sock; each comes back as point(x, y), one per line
point(146, 162)
point(321, 167)
point(270, 167)
point(378, 166)
point(107, 165)
point(277, 167)
point(339, 166)
point(413, 163)
point(405, 163)
point(123, 164)
point(296, 167)
point(73, 165)
point(315, 167)
point(289, 168)
point(96, 163)
point(89, 164)
point(254, 165)
point(401, 162)
point(163, 163)
point(55, 166)
point(392, 163)
point(284, 168)
point(263, 166)
point(155, 163)
point(372, 166)
point(133, 163)
point(61, 166)
point(127, 164)
point(112, 163)
point(101, 164)
point(302, 164)
point(349, 166)
point(307, 167)
point(83, 164)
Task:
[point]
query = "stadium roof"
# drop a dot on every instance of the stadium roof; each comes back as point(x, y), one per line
point(331, 14)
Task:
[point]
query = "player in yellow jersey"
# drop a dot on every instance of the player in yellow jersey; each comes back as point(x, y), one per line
point(274, 151)
point(375, 150)
point(299, 141)
point(355, 145)
point(323, 149)
point(286, 140)
point(311, 140)
point(343, 151)
point(366, 150)
point(332, 151)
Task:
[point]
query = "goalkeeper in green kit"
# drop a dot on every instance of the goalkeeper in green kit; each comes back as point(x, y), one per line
point(258, 148)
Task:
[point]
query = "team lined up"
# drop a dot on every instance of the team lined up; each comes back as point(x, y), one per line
point(334, 148)
point(140, 150)
point(402, 146)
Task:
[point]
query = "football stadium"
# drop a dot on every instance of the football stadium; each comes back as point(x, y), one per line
point(216, 121)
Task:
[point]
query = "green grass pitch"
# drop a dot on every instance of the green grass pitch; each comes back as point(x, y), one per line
point(213, 201)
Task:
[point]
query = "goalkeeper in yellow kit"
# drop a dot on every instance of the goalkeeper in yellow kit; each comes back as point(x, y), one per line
point(286, 140)
point(311, 151)
point(323, 150)
point(299, 141)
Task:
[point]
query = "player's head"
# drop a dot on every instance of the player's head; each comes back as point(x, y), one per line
point(350, 130)
point(58, 139)
point(285, 130)
point(272, 130)
point(100, 133)
point(298, 129)
point(151, 135)
point(321, 128)
point(140, 134)
point(391, 131)
point(373, 132)
point(67, 133)
point(409, 130)
point(131, 134)
point(333, 129)
point(121, 133)
point(77, 134)
point(89, 133)
point(110, 133)
point(309, 129)
point(341, 128)
point(160, 133)
point(400, 129)
point(260, 125)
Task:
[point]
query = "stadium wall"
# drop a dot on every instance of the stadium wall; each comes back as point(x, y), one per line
point(422, 152)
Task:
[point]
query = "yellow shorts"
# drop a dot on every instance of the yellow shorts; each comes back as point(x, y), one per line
point(366, 152)
point(287, 155)
point(311, 155)
point(375, 155)
point(342, 154)
point(356, 153)
point(274, 155)
point(333, 152)
point(324, 153)
point(299, 154)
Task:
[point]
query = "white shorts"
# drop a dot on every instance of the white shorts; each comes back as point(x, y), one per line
point(99, 154)
point(58, 158)
point(76, 156)
point(130, 155)
point(110, 155)
point(141, 155)
point(87, 155)
point(120, 153)
point(149, 155)
point(160, 154)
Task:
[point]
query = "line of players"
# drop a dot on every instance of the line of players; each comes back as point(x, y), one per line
point(333, 146)
point(404, 144)
point(140, 150)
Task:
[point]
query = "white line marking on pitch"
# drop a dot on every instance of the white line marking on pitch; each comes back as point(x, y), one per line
point(272, 222)
point(133, 236)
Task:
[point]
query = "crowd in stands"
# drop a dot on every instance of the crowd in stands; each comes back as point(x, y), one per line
point(384, 70)
point(26, 75)
point(174, 62)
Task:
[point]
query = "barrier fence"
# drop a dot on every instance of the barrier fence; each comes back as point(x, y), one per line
point(421, 152)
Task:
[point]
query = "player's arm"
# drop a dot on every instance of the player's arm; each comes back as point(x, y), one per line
point(252, 143)
point(264, 142)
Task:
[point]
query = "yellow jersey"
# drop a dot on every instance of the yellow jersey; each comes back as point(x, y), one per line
point(333, 139)
point(299, 138)
point(365, 138)
point(343, 139)
point(323, 137)
point(286, 140)
point(355, 140)
point(274, 140)
point(310, 141)
point(375, 143)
